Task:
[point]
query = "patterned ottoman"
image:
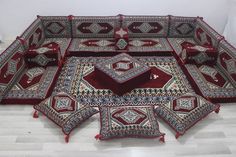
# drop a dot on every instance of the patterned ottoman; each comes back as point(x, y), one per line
point(122, 73)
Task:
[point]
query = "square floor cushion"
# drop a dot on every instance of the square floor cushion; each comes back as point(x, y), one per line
point(185, 111)
point(65, 111)
point(128, 121)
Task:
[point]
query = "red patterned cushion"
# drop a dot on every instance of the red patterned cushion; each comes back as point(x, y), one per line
point(45, 55)
point(185, 111)
point(196, 54)
point(34, 35)
point(65, 111)
point(123, 73)
point(33, 85)
point(12, 64)
point(128, 121)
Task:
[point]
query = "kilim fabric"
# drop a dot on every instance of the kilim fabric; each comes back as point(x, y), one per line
point(47, 55)
point(227, 60)
point(181, 27)
point(176, 43)
point(12, 65)
point(128, 121)
point(34, 35)
point(56, 26)
point(185, 111)
point(166, 81)
point(123, 73)
point(34, 85)
point(65, 111)
point(94, 26)
point(146, 26)
point(211, 82)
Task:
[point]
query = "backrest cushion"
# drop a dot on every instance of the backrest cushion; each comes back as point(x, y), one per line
point(56, 26)
point(227, 60)
point(146, 26)
point(205, 35)
point(94, 26)
point(11, 65)
point(181, 27)
point(34, 35)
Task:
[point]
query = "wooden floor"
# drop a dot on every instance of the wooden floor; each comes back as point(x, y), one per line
point(23, 136)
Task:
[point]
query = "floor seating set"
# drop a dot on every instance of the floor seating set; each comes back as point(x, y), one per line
point(132, 70)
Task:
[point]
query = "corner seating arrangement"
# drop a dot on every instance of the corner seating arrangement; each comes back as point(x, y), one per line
point(29, 80)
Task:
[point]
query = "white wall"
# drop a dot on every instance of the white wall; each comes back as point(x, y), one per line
point(16, 15)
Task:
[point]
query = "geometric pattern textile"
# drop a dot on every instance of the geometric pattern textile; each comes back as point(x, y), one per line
point(65, 111)
point(33, 86)
point(56, 26)
point(166, 82)
point(92, 44)
point(196, 54)
point(185, 111)
point(181, 26)
point(128, 121)
point(123, 73)
point(45, 55)
point(211, 82)
point(94, 26)
point(149, 45)
point(146, 26)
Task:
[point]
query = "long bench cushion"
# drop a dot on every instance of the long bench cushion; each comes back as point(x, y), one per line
point(146, 26)
point(181, 27)
point(211, 82)
point(11, 65)
point(206, 35)
point(92, 45)
point(34, 35)
point(149, 45)
point(227, 60)
point(56, 26)
point(33, 86)
point(94, 26)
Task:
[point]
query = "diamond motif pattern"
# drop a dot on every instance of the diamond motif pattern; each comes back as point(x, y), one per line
point(185, 104)
point(63, 104)
point(231, 66)
point(145, 27)
point(121, 44)
point(55, 27)
point(12, 67)
point(184, 28)
point(95, 28)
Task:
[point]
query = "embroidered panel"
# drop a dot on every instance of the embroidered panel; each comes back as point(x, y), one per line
point(211, 81)
point(146, 26)
point(33, 35)
point(128, 121)
point(227, 60)
point(92, 44)
point(166, 81)
point(94, 26)
point(65, 111)
point(34, 83)
point(182, 26)
point(149, 45)
point(185, 111)
point(56, 26)
point(177, 42)
point(205, 35)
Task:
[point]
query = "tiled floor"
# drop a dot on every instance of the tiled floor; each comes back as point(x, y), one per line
point(23, 136)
